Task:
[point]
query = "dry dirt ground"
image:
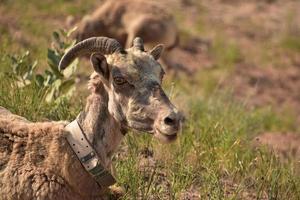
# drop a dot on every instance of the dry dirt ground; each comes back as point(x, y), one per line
point(278, 87)
point(285, 145)
point(267, 74)
point(277, 81)
point(190, 56)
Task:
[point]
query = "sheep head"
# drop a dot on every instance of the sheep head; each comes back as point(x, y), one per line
point(132, 79)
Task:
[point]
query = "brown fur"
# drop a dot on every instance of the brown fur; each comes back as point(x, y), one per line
point(127, 19)
point(36, 161)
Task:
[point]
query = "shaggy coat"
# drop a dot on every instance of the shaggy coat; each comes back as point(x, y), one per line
point(36, 161)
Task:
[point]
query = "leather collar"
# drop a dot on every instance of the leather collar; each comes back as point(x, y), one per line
point(87, 155)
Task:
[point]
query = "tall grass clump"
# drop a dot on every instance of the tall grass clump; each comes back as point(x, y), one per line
point(25, 91)
point(213, 156)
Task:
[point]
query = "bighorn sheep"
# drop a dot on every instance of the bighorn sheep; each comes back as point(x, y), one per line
point(127, 19)
point(39, 161)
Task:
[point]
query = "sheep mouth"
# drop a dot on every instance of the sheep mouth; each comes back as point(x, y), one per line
point(140, 126)
point(165, 137)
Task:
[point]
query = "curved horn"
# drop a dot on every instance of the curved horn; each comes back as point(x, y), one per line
point(138, 43)
point(103, 45)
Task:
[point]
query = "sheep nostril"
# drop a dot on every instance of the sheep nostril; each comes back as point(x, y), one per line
point(169, 121)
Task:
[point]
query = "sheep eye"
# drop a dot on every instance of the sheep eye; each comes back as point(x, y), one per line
point(119, 80)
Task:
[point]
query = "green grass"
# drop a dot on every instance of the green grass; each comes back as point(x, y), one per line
point(213, 148)
point(36, 20)
point(291, 43)
point(213, 155)
point(226, 53)
point(29, 101)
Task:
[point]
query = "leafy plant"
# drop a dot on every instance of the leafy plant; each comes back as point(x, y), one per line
point(23, 68)
point(60, 84)
point(55, 84)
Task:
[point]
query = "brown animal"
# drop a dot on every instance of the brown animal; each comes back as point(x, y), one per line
point(37, 162)
point(127, 19)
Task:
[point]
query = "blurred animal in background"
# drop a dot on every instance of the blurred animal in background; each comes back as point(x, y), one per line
point(127, 19)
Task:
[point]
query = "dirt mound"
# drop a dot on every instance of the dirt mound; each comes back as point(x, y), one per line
point(267, 86)
point(285, 145)
point(230, 188)
point(189, 57)
point(9, 25)
point(230, 191)
point(248, 24)
point(190, 194)
point(258, 20)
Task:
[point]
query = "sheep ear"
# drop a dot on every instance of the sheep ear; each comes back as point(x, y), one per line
point(157, 51)
point(100, 65)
